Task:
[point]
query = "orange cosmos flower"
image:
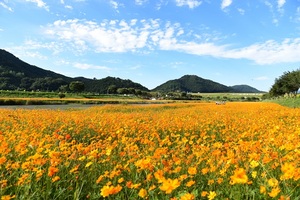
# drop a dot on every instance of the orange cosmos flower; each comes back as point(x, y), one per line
point(190, 183)
point(52, 171)
point(7, 197)
point(239, 177)
point(192, 170)
point(169, 185)
point(109, 190)
point(56, 178)
point(159, 175)
point(187, 196)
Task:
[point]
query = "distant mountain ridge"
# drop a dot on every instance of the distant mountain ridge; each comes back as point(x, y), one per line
point(193, 83)
point(17, 74)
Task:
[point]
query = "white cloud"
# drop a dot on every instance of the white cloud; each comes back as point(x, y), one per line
point(40, 4)
point(225, 4)
point(140, 2)
point(108, 36)
point(6, 6)
point(86, 66)
point(189, 3)
point(115, 5)
point(69, 7)
point(280, 3)
point(140, 35)
point(241, 11)
point(269, 52)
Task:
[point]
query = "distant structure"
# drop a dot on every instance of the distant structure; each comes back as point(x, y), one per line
point(220, 102)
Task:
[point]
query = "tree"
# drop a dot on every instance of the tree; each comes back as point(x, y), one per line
point(76, 86)
point(288, 83)
point(112, 89)
point(122, 91)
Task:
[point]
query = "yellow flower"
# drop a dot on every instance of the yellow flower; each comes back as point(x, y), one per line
point(262, 189)
point(239, 177)
point(56, 178)
point(254, 164)
point(142, 193)
point(288, 170)
point(254, 174)
point(211, 195)
point(273, 182)
point(274, 192)
point(120, 180)
point(88, 164)
point(82, 158)
point(187, 196)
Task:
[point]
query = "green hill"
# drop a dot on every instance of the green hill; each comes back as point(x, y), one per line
point(245, 89)
point(192, 83)
point(16, 74)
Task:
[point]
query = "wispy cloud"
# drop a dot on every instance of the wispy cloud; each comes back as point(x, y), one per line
point(115, 5)
point(141, 35)
point(140, 2)
point(268, 52)
point(40, 4)
point(261, 78)
point(108, 36)
point(280, 3)
point(241, 11)
point(6, 6)
point(225, 4)
point(189, 3)
point(86, 66)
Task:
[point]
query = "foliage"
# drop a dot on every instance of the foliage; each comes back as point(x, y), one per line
point(237, 151)
point(76, 86)
point(244, 89)
point(18, 75)
point(288, 83)
point(191, 83)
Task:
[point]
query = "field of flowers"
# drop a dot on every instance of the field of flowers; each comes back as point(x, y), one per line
point(171, 151)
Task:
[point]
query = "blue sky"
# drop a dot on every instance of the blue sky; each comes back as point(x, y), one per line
point(152, 41)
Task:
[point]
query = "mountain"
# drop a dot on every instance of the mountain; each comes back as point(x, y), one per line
point(17, 74)
point(192, 83)
point(245, 89)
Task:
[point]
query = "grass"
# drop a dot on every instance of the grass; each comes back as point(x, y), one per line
point(288, 102)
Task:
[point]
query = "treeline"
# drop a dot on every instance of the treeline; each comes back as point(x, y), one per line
point(12, 80)
point(287, 84)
